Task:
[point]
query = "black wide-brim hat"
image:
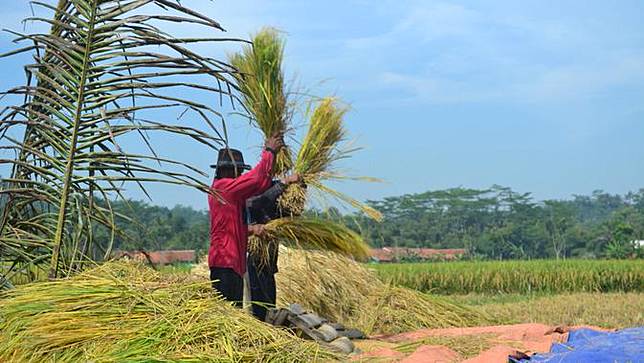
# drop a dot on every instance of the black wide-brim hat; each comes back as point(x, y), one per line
point(230, 158)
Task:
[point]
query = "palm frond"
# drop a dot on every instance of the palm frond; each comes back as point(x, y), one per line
point(95, 80)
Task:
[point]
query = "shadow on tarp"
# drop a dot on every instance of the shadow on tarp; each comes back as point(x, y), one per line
point(589, 346)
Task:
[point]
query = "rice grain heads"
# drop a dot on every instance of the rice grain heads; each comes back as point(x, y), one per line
point(322, 146)
point(124, 312)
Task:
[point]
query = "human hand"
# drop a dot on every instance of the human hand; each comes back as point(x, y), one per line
point(257, 230)
point(275, 142)
point(292, 179)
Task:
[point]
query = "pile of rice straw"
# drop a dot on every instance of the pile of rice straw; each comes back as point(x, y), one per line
point(345, 291)
point(342, 290)
point(125, 312)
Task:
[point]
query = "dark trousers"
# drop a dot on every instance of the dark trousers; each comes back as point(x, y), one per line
point(228, 283)
point(263, 291)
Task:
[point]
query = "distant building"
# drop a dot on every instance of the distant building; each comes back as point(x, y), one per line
point(159, 257)
point(395, 254)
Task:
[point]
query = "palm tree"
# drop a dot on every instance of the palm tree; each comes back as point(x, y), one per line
point(104, 66)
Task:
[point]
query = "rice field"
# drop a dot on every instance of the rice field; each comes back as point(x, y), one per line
point(517, 277)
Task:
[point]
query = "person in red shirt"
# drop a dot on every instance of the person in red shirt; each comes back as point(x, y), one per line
point(228, 228)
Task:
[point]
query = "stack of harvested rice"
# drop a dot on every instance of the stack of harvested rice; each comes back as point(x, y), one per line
point(126, 312)
point(343, 290)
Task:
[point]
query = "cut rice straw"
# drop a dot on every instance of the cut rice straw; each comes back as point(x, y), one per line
point(345, 291)
point(125, 312)
point(313, 233)
point(261, 81)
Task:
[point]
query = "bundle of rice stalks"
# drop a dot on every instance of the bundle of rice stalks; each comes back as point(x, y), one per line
point(261, 82)
point(342, 290)
point(122, 312)
point(312, 233)
point(321, 148)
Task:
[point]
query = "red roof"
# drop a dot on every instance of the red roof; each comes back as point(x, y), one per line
point(389, 254)
point(159, 257)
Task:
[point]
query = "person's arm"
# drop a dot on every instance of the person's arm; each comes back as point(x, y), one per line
point(255, 181)
point(259, 178)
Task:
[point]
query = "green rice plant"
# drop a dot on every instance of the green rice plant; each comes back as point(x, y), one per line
point(125, 312)
point(525, 277)
point(260, 79)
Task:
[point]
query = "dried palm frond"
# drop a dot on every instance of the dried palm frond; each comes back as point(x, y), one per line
point(321, 148)
point(122, 312)
point(101, 74)
point(261, 81)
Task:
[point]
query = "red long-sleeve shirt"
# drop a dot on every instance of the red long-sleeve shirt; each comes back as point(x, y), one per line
point(228, 231)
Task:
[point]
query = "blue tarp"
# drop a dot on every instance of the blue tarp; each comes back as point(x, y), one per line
point(590, 346)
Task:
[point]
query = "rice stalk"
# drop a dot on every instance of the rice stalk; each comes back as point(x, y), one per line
point(313, 233)
point(260, 79)
point(321, 148)
point(124, 312)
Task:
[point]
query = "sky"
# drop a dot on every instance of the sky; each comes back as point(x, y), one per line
point(542, 96)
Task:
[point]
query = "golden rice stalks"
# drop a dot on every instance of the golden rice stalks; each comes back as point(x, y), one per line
point(394, 310)
point(123, 312)
point(345, 291)
point(333, 286)
point(261, 81)
point(321, 148)
point(313, 233)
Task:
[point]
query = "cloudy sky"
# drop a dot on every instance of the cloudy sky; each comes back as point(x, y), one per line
point(542, 96)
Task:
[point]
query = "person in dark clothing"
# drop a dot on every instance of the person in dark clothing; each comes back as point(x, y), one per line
point(261, 273)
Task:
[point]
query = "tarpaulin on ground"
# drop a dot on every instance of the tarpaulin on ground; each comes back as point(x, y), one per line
point(589, 346)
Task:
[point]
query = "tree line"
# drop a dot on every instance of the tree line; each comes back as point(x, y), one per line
point(499, 223)
point(493, 223)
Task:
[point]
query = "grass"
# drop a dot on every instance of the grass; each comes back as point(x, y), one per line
point(607, 310)
point(521, 277)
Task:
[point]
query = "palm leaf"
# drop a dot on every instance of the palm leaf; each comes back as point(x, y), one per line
point(95, 80)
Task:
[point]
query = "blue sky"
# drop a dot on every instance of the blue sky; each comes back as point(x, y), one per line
point(542, 96)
